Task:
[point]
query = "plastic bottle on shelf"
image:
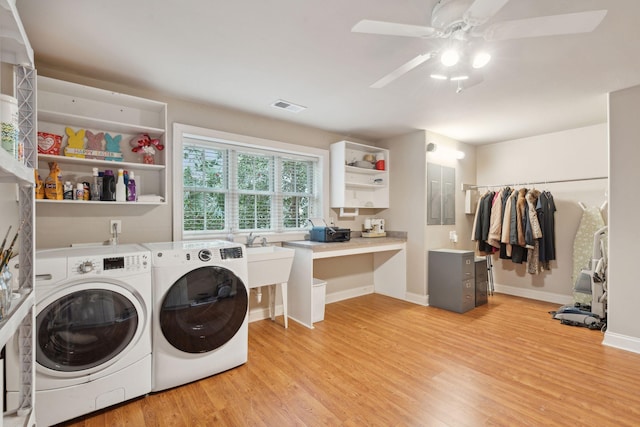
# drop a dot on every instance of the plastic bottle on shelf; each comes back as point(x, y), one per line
point(108, 186)
point(132, 196)
point(100, 177)
point(121, 189)
point(95, 187)
point(79, 191)
point(67, 193)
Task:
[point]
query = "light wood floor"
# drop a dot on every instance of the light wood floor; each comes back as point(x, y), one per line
point(377, 361)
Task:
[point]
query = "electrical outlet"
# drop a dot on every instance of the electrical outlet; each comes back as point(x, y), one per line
point(118, 225)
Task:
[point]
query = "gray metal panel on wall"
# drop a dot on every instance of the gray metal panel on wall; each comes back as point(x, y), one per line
point(434, 194)
point(448, 195)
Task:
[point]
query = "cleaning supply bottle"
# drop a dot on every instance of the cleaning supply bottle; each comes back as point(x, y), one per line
point(39, 185)
point(108, 186)
point(52, 184)
point(121, 189)
point(79, 191)
point(132, 196)
point(68, 191)
point(95, 188)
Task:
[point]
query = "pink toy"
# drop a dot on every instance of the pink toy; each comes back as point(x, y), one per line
point(94, 142)
point(143, 143)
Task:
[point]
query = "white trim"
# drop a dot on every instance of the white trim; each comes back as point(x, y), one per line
point(181, 130)
point(534, 294)
point(348, 294)
point(417, 298)
point(623, 342)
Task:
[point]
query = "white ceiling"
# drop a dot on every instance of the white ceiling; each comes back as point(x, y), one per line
point(246, 54)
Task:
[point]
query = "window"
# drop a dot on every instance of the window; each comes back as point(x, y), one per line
point(231, 186)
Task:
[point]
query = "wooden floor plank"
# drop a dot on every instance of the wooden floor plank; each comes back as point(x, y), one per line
point(378, 361)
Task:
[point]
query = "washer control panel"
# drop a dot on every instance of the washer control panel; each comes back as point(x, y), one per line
point(109, 265)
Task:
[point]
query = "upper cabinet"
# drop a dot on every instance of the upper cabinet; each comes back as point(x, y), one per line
point(359, 176)
point(97, 128)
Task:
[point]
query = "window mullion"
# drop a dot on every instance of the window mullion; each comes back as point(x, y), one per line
point(232, 194)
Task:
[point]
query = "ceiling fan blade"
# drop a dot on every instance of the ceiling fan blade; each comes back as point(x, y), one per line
point(403, 69)
point(392, 29)
point(482, 10)
point(571, 23)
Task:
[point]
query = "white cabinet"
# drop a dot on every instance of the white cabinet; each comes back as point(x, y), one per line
point(355, 180)
point(63, 104)
point(19, 322)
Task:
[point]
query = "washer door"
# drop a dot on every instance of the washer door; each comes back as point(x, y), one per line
point(203, 309)
point(80, 331)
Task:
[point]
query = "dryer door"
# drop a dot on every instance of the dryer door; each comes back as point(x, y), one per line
point(203, 309)
point(83, 329)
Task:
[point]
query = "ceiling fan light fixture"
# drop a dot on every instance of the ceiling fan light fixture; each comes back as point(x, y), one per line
point(438, 76)
point(481, 59)
point(459, 77)
point(449, 57)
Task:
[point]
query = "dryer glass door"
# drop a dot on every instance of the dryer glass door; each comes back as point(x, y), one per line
point(203, 309)
point(84, 329)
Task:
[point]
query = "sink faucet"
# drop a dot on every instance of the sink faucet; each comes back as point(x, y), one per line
point(251, 238)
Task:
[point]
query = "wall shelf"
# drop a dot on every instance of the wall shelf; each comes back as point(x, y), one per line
point(64, 104)
point(358, 187)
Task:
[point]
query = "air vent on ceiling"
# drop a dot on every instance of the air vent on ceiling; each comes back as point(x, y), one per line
point(286, 105)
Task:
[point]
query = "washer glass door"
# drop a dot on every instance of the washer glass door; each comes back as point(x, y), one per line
point(203, 309)
point(85, 329)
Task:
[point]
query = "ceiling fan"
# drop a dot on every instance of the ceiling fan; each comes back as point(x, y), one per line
point(462, 24)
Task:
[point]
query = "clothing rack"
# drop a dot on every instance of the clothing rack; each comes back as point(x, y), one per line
point(537, 183)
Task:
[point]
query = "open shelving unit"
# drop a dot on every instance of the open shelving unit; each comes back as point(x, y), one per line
point(19, 322)
point(64, 104)
point(354, 186)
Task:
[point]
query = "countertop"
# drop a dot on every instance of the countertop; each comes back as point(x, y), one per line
point(356, 243)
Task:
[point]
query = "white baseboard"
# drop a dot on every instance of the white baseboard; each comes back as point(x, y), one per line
point(417, 298)
point(349, 293)
point(263, 313)
point(534, 294)
point(622, 342)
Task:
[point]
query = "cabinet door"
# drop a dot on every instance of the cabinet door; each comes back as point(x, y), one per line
point(441, 197)
point(434, 194)
point(448, 196)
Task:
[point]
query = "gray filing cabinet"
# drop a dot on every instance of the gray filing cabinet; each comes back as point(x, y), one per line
point(452, 279)
point(482, 280)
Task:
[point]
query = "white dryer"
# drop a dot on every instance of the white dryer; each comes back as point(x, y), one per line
point(93, 330)
point(200, 310)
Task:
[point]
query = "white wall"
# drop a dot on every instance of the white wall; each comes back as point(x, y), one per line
point(59, 226)
point(623, 328)
point(408, 209)
point(572, 154)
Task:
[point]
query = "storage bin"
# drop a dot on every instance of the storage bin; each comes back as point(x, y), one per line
point(317, 300)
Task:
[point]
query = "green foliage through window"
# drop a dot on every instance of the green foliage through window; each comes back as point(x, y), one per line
point(235, 188)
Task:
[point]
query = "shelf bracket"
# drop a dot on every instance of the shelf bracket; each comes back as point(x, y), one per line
point(343, 213)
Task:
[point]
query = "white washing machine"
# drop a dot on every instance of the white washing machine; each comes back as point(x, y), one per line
point(93, 331)
point(200, 310)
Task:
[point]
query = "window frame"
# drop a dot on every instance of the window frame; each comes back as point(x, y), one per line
point(180, 131)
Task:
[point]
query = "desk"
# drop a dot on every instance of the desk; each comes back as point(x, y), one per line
point(389, 269)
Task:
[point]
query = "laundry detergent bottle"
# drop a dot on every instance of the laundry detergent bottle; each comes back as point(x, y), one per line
point(108, 186)
point(132, 196)
point(121, 188)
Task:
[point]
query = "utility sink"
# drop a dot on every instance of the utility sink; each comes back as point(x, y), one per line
point(269, 265)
